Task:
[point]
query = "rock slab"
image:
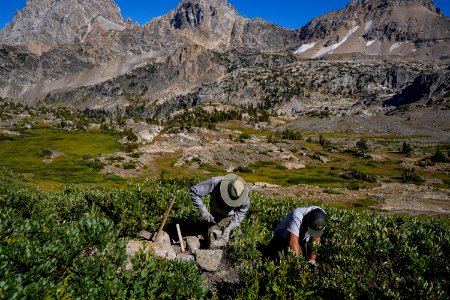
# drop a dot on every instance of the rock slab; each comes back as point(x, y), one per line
point(145, 235)
point(193, 244)
point(164, 238)
point(208, 260)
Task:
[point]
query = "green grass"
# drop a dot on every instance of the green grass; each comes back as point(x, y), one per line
point(24, 155)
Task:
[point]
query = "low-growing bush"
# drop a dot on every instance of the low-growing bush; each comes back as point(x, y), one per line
point(71, 244)
point(96, 164)
point(440, 155)
point(362, 147)
point(130, 147)
point(44, 152)
point(406, 149)
point(129, 165)
point(409, 175)
point(243, 136)
point(244, 169)
point(353, 174)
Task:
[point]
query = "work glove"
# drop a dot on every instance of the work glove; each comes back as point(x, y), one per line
point(206, 216)
point(312, 263)
point(225, 235)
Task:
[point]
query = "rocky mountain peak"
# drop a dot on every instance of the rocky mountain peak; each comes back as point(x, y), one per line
point(194, 13)
point(43, 24)
point(205, 22)
point(379, 4)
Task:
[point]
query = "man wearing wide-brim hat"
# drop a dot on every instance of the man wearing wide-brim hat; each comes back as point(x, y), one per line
point(229, 204)
point(301, 226)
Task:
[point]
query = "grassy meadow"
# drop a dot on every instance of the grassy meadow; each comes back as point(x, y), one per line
point(29, 155)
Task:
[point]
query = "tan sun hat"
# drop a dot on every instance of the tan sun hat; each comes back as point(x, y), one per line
point(233, 190)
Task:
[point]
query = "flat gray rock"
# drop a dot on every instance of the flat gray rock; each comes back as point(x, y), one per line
point(185, 256)
point(208, 260)
point(192, 243)
point(145, 235)
point(164, 238)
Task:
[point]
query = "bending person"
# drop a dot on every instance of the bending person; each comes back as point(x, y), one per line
point(229, 204)
point(301, 226)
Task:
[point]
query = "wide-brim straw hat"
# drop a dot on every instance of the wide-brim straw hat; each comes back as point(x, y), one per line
point(233, 190)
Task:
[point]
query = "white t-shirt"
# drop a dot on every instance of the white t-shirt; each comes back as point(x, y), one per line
point(293, 222)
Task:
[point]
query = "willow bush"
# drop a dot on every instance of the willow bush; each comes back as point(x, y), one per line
point(71, 244)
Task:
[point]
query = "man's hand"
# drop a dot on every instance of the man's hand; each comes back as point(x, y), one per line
point(206, 216)
point(226, 235)
point(312, 263)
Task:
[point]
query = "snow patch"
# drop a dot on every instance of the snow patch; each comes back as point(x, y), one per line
point(304, 48)
point(370, 42)
point(395, 46)
point(328, 49)
point(368, 26)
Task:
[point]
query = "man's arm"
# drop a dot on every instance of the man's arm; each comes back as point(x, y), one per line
point(201, 190)
point(294, 244)
point(239, 215)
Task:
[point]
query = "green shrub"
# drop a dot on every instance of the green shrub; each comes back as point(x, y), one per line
point(440, 155)
point(289, 134)
point(135, 154)
point(409, 175)
point(130, 134)
point(71, 244)
point(406, 149)
point(130, 147)
point(129, 165)
point(362, 147)
point(362, 255)
point(96, 164)
point(243, 136)
point(244, 169)
point(353, 174)
point(324, 142)
point(44, 152)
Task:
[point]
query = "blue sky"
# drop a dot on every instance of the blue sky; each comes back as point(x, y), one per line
point(288, 13)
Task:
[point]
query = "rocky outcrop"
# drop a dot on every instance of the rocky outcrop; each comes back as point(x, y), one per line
point(43, 24)
point(427, 87)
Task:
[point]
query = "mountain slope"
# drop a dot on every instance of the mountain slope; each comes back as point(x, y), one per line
point(205, 51)
point(411, 28)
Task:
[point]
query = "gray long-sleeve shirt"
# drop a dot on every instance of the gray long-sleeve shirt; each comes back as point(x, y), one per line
point(212, 187)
